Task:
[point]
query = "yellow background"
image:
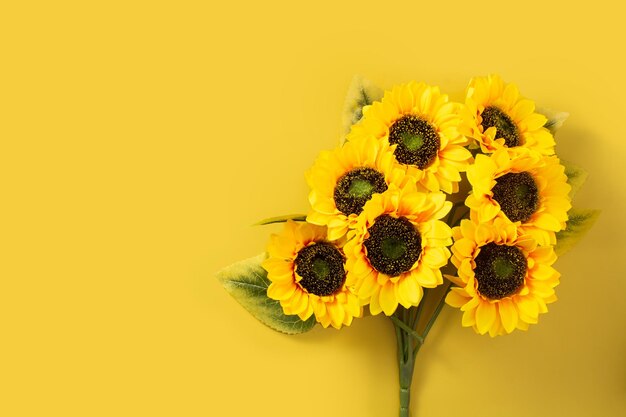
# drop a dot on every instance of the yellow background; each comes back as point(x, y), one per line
point(140, 140)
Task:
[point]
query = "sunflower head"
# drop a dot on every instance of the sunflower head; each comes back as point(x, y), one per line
point(309, 277)
point(397, 247)
point(521, 187)
point(423, 126)
point(504, 279)
point(344, 179)
point(496, 116)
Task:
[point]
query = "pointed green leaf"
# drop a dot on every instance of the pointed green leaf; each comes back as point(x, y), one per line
point(579, 223)
point(247, 282)
point(361, 93)
point(576, 176)
point(282, 219)
point(555, 119)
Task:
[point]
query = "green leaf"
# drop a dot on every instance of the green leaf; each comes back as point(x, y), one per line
point(247, 282)
point(579, 223)
point(361, 93)
point(555, 119)
point(576, 176)
point(282, 219)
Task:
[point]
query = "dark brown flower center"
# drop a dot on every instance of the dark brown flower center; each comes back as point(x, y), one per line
point(417, 140)
point(500, 270)
point(321, 266)
point(356, 187)
point(518, 195)
point(393, 245)
point(505, 126)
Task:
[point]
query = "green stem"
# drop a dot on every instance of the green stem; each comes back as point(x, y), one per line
point(409, 343)
point(407, 329)
point(438, 309)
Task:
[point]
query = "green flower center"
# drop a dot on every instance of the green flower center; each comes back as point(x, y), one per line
point(505, 126)
point(418, 141)
point(356, 187)
point(500, 270)
point(393, 245)
point(518, 195)
point(321, 267)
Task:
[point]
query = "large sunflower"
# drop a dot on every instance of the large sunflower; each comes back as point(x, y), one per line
point(397, 248)
point(308, 276)
point(522, 187)
point(423, 125)
point(344, 179)
point(505, 280)
point(496, 116)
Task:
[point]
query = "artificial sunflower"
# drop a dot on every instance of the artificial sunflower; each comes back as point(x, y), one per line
point(504, 279)
point(309, 277)
point(423, 125)
point(496, 116)
point(397, 247)
point(522, 187)
point(344, 179)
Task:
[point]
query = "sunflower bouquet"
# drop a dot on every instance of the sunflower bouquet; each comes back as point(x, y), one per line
point(425, 202)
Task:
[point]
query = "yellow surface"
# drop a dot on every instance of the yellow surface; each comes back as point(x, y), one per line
point(140, 141)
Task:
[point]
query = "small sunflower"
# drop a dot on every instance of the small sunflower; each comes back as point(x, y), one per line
point(397, 247)
point(496, 116)
point(505, 280)
point(344, 179)
point(423, 125)
point(308, 276)
point(522, 187)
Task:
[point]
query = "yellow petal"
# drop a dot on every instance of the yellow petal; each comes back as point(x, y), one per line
point(280, 292)
point(367, 287)
point(435, 257)
point(469, 318)
point(488, 210)
point(410, 291)
point(426, 277)
point(440, 230)
point(508, 315)
point(543, 272)
point(388, 299)
point(485, 316)
point(319, 308)
point(523, 109)
point(464, 247)
point(548, 222)
point(457, 297)
point(375, 304)
point(457, 153)
point(337, 314)
point(528, 307)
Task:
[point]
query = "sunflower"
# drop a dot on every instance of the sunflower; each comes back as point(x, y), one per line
point(423, 125)
point(308, 276)
point(522, 187)
point(504, 279)
point(344, 179)
point(397, 247)
point(496, 116)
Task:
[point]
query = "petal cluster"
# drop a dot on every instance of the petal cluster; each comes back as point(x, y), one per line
point(423, 210)
point(553, 201)
point(379, 229)
point(429, 104)
point(330, 310)
point(331, 166)
point(493, 93)
point(517, 311)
